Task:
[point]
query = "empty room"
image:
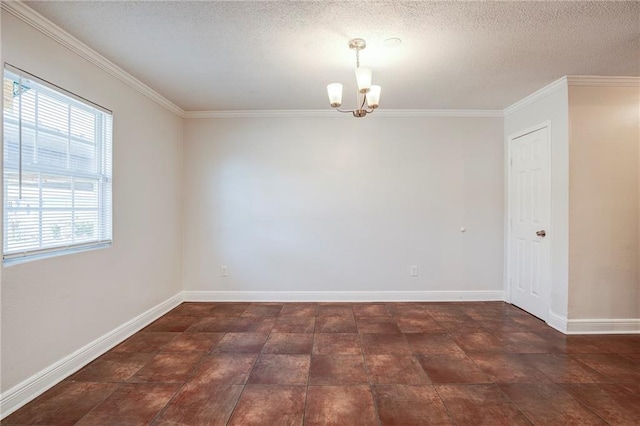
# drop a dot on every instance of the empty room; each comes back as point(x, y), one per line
point(320, 213)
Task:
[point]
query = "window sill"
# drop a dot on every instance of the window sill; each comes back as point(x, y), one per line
point(27, 257)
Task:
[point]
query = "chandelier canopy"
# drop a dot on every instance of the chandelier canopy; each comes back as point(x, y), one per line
point(367, 94)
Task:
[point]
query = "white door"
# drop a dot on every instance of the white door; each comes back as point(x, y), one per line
point(529, 215)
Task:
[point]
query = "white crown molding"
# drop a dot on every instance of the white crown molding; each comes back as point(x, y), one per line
point(329, 113)
point(35, 385)
point(342, 296)
point(469, 113)
point(572, 80)
point(538, 94)
point(258, 113)
point(613, 81)
point(48, 28)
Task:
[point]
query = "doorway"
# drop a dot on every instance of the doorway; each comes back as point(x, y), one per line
point(529, 218)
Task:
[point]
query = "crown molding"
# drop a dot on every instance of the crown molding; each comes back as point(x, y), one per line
point(538, 94)
point(469, 113)
point(34, 19)
point(610, 81)
point(267, 113)
point(328, 113)
point(573, 80)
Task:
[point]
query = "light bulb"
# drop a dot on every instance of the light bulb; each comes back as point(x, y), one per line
point(373, 97)
point(334, 90)
point(363, 77)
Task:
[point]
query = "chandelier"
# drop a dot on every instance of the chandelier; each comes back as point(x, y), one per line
point(367, 94)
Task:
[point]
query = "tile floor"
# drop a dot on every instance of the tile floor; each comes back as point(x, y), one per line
point(350, 364)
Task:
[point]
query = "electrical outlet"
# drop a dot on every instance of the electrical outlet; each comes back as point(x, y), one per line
point(414, 271)
point(223, 271)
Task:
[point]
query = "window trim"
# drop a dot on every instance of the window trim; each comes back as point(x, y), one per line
point(24, 257)
point(55, 88)
point(70, 99)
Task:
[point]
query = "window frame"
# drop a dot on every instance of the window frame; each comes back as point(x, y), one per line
point(103, 176)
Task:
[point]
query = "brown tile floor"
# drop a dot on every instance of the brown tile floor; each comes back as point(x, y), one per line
point(350, 364)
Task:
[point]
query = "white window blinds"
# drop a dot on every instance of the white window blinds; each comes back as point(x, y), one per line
point(57, 169)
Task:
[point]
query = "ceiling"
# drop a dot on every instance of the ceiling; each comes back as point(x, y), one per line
point(245, 55)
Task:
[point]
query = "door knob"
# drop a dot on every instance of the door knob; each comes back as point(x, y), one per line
point(541, 233)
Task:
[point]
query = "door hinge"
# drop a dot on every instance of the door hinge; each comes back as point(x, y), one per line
point(511, 162)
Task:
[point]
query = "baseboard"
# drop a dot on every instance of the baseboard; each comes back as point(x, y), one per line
point(29, 389)
point(558, 322)
point(604, 326)
point(594, 326)
point(342, 296)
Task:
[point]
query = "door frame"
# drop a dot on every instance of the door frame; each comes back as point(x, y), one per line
point(508, 214)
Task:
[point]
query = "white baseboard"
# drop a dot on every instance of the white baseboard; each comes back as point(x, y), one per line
point(604, 326)
point(35, 385)
point(594, 326)
point(342, 296)
point(558, 322)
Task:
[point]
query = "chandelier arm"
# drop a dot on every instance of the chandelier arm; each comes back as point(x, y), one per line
point(348, 111)
point(364, 100)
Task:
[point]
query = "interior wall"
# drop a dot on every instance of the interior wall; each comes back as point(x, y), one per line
point(52, 307)
point(552, 108)
point(342, 204)
point(604, 200)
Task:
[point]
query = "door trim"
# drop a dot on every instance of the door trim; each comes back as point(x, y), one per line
point(508, 214)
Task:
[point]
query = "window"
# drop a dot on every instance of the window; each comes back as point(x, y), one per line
point(57, 170)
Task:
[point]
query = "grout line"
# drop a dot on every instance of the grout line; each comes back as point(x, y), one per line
point(418, 356)
point(182, 385)
point(376, 407)
point(497, 385)
point(255, 363)
point(582, 403)
point(446, 408)
point(119, 385)
point(190, 376)
point(306, 392)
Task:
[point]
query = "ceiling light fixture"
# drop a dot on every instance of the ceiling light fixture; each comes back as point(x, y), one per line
point(369, 94)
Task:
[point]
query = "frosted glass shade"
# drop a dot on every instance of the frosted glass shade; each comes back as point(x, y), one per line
point(373, 97)
point(363, 76)
point(334, 90)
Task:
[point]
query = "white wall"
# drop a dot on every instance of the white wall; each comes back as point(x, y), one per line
point(50, 308)
point(552, 107)
point(343, 204)
point(604, 200)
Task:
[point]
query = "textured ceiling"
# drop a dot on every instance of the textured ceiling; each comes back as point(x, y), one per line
point(281, 55)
